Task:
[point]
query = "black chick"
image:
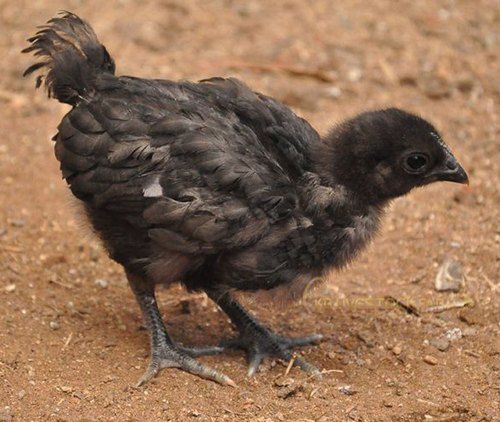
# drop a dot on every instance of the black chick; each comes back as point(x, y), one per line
point(221, 188)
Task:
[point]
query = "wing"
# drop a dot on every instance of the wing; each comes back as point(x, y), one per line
point(284, 135)
point(195, 176)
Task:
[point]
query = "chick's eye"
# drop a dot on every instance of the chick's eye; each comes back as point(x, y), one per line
point(416, 162)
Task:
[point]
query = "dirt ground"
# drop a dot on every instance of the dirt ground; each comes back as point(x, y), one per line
point(71, 341)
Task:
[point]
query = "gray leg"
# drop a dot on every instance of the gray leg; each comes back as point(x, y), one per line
point(164, 353)
point(257, 340)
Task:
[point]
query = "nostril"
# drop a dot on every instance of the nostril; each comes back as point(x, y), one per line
point(452, 164)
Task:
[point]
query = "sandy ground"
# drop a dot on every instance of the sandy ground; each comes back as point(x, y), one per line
point(71, 342)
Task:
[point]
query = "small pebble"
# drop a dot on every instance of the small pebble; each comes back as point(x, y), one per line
point(366, 338)
point(431, 360)
point(283, 382)
point(290, 390)
point(449, 277)
point(94, 255)
point(418, 278)
point(454, 334)
point(101, 283)
point(355, 74)
point(6, 415)
point(347, 390)
point(469, 331)
point(397, 350)
point(10, 288)
point(334, 92)
point(441, 343)
point(21, 394)
point(470, 316)
point(435, 87)
point(54, 325)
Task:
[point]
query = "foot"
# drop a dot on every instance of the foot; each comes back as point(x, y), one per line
point(259, 343)
point(176, 356)
point(165, 353)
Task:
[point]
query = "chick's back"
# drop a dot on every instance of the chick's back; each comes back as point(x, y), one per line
point(177, 175)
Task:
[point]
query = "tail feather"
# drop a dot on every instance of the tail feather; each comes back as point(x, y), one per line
point(72, 56)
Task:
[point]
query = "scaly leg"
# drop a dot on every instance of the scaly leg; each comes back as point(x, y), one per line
point(164, 352)
point(258, 341)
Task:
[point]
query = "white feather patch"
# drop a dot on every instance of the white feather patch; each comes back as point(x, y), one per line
point(153, 190)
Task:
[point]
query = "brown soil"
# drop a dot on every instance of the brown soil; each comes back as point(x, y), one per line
point(71, 349)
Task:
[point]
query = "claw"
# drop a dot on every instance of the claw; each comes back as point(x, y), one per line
point(206, 372)
point(182, 358)
point(256, 339)
point(308, 368)
point(149, 374)
point(164, 352)
point(254, 363)
point(267, 344)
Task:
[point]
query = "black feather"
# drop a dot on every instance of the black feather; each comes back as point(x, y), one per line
point(74, 58)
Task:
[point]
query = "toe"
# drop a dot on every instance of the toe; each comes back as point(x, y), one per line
point(266, 344)
point(254, 362)
point(194, 367)
point(307, 367)
point(201, 351)
point(233, 343)
point(150, 373)
point(181, 358)
point(303, 341)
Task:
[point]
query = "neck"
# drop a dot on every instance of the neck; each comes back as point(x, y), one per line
point(337, 168)
point(322, 197)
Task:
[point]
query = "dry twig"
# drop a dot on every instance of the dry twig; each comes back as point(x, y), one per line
point(290, 364)
point(409, 308)
point(451, 305)
point(318, 74)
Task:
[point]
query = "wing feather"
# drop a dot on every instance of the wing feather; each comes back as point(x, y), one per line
point(203, 168)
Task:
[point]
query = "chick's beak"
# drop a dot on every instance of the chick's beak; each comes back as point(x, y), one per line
point(449, 171)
